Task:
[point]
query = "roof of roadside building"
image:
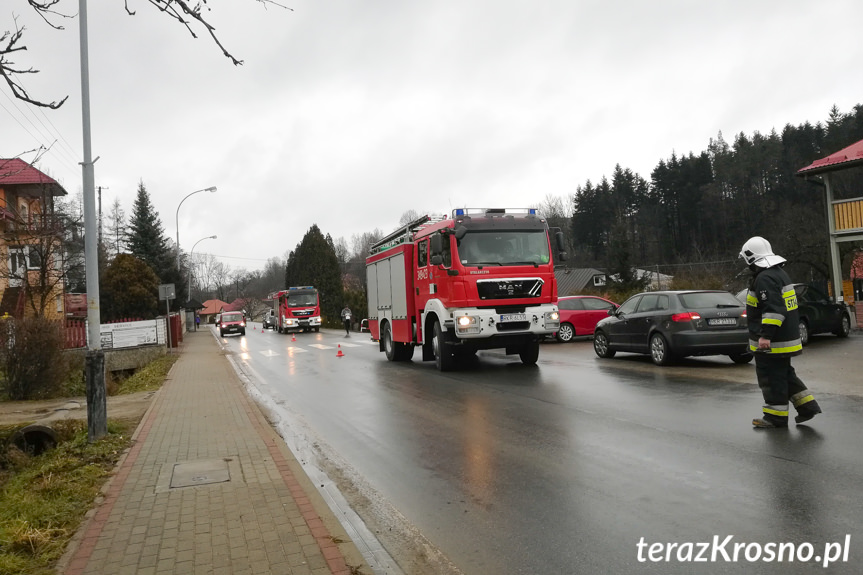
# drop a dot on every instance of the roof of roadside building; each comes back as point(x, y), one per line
point(212, 306)
point(571, 281)
point(16, 171)
point(849, 157)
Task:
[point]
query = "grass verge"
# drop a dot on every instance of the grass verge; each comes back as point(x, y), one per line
point(43, 499)
point(150, 377)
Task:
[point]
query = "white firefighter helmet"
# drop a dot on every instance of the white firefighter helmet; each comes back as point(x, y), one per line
point(757, 251)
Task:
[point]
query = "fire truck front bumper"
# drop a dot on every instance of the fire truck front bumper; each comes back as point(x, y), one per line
point(477, 323)
point(295, 322)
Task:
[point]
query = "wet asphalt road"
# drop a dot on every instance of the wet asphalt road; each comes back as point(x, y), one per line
point(565, 467)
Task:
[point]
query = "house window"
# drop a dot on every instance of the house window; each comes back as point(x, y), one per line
point(34, 258)
point(59, 300)
point(599, 280)
point(17, 266)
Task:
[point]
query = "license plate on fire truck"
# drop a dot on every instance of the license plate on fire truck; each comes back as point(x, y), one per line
point(507, 317)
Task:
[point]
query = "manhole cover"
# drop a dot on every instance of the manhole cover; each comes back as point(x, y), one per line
point(200, 473)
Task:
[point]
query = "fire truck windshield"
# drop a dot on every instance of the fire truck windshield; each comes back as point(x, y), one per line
point(302, 299)
point(497, 247)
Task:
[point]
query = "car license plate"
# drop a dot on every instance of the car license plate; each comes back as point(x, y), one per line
point(505, 317)
point(722, 321)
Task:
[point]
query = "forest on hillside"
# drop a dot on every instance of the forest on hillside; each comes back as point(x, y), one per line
point(698, 209)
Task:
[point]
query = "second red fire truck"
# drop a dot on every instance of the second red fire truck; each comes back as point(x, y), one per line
point(297, 309)
point(481, 279)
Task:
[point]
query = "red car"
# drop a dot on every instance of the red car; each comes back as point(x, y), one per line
point(232, 322)
point(579, 314)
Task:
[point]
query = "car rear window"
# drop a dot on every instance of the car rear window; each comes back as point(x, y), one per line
point(594, 303)
point(705, 300)
point(232, 317)
point(569, 304)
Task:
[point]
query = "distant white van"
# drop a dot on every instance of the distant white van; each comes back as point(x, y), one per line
point(269, 319)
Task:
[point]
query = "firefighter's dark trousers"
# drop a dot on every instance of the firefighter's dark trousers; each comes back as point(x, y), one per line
point(780, 385)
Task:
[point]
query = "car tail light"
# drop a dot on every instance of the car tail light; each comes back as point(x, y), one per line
point(685, 316)
point(743, 315)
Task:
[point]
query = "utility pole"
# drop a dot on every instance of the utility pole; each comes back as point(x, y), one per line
point(97, 409)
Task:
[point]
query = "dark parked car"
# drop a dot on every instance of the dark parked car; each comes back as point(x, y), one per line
point(269, 319)
point(817, 313)
point(672, 324)
point(579, 315)
point(232, 322)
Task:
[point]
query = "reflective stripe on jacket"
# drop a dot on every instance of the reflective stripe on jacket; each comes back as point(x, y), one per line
point(771, 312)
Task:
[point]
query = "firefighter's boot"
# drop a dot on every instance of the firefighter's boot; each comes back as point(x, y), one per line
point(773, 417)
point(806, 406)
point(765, 423)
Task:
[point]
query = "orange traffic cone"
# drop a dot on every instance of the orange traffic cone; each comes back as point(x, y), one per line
point(293, 337)
point(340, 354)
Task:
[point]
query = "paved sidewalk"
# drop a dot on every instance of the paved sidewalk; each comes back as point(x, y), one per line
point(209, 487)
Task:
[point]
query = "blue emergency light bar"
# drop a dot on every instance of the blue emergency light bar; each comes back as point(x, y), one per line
point(457, 212)
point(302, 287)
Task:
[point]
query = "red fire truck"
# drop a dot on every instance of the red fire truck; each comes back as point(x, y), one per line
point(481, 279)
point(297, 309)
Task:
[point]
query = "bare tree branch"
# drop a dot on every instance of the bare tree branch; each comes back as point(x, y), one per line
point(45, 7)
point(188, 14)
point(9, 45)
point(179, 9)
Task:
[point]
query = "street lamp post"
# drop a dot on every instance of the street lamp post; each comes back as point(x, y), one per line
point(210, 189)
point(190, 263)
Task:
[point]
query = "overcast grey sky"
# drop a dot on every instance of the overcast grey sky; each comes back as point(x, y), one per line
point(347, 114)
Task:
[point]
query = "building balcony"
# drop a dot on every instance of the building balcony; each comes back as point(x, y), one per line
point(848, 216)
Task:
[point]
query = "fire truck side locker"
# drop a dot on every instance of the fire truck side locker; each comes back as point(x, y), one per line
point(389, 295)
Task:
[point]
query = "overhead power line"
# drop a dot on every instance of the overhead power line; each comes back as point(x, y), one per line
point(45, 135)
point(237, 257)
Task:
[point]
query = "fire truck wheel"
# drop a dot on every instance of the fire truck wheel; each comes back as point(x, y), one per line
point(389, 346)
point(317, 329)
point(442, 351)
point(395, 351)
point(529, 353)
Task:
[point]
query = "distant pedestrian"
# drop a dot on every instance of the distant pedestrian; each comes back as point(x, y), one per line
point(346, 318)
point(774, 337)
point(197, 321)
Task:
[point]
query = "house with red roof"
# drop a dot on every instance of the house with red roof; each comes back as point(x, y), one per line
point(211, 308)
point(31, 277)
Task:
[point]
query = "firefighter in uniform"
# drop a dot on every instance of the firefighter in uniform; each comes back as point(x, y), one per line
point(771, 310)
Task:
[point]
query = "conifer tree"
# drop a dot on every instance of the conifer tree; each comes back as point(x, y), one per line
point(147, 242)
point(314, 263)
point(114, 237)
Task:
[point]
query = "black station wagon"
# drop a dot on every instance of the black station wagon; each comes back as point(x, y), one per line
point(672, 324)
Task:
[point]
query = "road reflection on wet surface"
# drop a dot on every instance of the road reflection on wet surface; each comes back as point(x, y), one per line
point(563, 467)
